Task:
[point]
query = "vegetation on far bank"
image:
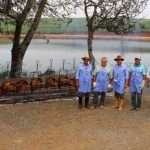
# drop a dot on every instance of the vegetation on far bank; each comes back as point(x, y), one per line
point(78, 25)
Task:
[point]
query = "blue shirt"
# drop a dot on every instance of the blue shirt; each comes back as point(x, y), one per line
point(84, 75)
point(142, 68)
point(120, 74)
point(137, 73)
point(118, 70)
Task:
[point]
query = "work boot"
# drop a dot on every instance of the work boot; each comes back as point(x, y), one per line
point(101, 106)
point(121, 102)
point(93, 107)
point(133, 108)
point(138, 109)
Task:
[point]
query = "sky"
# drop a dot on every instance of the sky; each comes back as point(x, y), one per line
point(145, 14)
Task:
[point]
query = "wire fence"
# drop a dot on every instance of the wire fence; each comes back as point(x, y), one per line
point(36, 70)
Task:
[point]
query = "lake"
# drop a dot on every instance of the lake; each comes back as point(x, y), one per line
point(68, 49)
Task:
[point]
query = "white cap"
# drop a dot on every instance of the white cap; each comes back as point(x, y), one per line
point(138, 57)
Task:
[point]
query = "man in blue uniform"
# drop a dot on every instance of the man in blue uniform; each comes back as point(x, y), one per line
point(137, 82)
point(120, 81)
point(83, 81)
point(102, 78)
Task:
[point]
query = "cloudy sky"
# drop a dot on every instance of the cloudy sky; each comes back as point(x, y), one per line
point(144, 14)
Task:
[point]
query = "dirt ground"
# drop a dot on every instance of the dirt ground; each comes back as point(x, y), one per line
point(60, 125)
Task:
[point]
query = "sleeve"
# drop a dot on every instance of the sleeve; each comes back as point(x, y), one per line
point(110, 72)
point(144, 70)
point(78, 72)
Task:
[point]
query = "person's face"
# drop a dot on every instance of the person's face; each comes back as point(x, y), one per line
point(119, 61)
point(137, 61)
point(103, 62)
point(85, 61)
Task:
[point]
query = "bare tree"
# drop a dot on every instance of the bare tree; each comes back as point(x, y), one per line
point(22, 10)
point(112, 15)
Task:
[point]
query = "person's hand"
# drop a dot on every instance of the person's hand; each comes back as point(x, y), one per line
point(109, 87)
point(94, 84)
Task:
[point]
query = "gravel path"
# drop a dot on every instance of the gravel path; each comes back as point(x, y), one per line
point(60, 125)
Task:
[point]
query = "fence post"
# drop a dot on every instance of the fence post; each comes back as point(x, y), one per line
point(63, 60)
point(51, 63)
point(74, 63)
point(7, 66)
point(37, 67)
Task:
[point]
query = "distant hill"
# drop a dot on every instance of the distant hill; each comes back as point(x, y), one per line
point(78, 25)
point(61, 26)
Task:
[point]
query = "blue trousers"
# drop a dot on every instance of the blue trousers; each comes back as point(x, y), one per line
point(136, 99)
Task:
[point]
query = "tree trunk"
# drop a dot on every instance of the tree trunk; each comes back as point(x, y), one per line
point(19, 49)
point(16, 65)
point(90, 48)
point(16, 60)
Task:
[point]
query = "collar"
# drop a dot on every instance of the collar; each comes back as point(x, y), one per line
point(85, 66)
point(119, 66)
point(136, 65)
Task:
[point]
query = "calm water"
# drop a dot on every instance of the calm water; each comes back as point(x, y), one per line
point(68, 49)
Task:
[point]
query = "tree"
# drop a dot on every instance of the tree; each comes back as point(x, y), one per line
point(20, 11)
point(112, 15)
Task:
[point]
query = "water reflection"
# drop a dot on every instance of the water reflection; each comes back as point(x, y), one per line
point(70, 49)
